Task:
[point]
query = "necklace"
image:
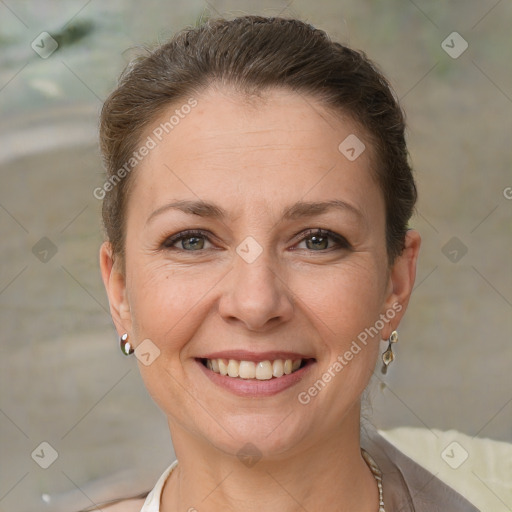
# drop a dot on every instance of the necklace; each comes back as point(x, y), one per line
point(377, 473)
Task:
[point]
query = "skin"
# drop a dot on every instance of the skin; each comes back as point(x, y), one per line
point(254, 159)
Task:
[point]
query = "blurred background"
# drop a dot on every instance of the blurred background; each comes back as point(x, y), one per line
point(63, 380)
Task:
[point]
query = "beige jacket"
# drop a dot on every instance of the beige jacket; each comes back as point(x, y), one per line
point(408, 487)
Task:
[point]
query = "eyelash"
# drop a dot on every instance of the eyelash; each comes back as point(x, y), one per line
point(323, 233)
point(341, 241)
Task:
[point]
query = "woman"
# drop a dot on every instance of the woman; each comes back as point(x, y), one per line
point(256, 211)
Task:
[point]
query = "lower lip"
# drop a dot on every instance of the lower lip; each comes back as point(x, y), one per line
point(254, 387)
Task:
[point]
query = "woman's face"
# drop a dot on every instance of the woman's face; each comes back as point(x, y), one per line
point(255, 281)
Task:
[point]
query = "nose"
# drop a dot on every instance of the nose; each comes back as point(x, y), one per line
point(256, 294)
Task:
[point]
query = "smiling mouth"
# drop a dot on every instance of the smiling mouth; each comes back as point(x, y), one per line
point(251, 370)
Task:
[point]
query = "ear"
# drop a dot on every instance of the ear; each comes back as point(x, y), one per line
point(115, 285)
point(401, 282)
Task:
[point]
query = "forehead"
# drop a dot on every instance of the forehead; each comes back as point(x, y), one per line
point(281, 146)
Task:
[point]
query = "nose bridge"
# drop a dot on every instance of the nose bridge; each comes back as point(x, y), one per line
point(255, 268)
point(257, 292)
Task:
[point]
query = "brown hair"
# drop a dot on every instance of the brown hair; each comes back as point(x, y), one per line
point(254, 53)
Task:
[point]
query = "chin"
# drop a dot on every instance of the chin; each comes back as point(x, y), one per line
point(263, 434)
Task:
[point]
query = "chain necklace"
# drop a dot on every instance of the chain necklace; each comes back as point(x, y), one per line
point(377, 473)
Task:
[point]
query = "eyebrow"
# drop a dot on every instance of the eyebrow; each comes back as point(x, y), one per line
point(298, 210)
point(309, 209)
point(199, 207)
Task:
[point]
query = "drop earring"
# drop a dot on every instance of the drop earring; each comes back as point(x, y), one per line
point(126, 347)
point(388, 356)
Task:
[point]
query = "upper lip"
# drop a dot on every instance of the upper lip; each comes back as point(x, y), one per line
point(245, 355)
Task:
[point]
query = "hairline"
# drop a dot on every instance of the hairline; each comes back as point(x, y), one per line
point(252, 96)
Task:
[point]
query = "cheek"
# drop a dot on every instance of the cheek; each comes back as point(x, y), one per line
point(342, 304)
point(345, 300)
point(164, 300)
point(166, 307)
point(169, 304)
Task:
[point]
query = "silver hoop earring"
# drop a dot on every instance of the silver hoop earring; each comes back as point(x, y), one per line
point(126, 347)
point(388, 356)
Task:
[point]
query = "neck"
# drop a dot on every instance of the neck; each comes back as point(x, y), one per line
point(328, 475)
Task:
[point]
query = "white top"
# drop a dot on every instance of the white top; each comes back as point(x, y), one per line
point(152, 503)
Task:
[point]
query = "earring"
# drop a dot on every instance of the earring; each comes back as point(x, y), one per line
point(388, 356)
point(126, 347)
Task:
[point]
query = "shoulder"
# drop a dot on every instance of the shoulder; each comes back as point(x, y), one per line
point(483, 466)
point(133, 505)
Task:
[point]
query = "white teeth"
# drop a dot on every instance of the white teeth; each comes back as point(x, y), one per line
point(247, 370)
point(233, 367)
point(263, 370)
point(278, 368)
point(223, 366)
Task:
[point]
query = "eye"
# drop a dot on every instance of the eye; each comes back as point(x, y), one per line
point(191, 241)
point(318, 240)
